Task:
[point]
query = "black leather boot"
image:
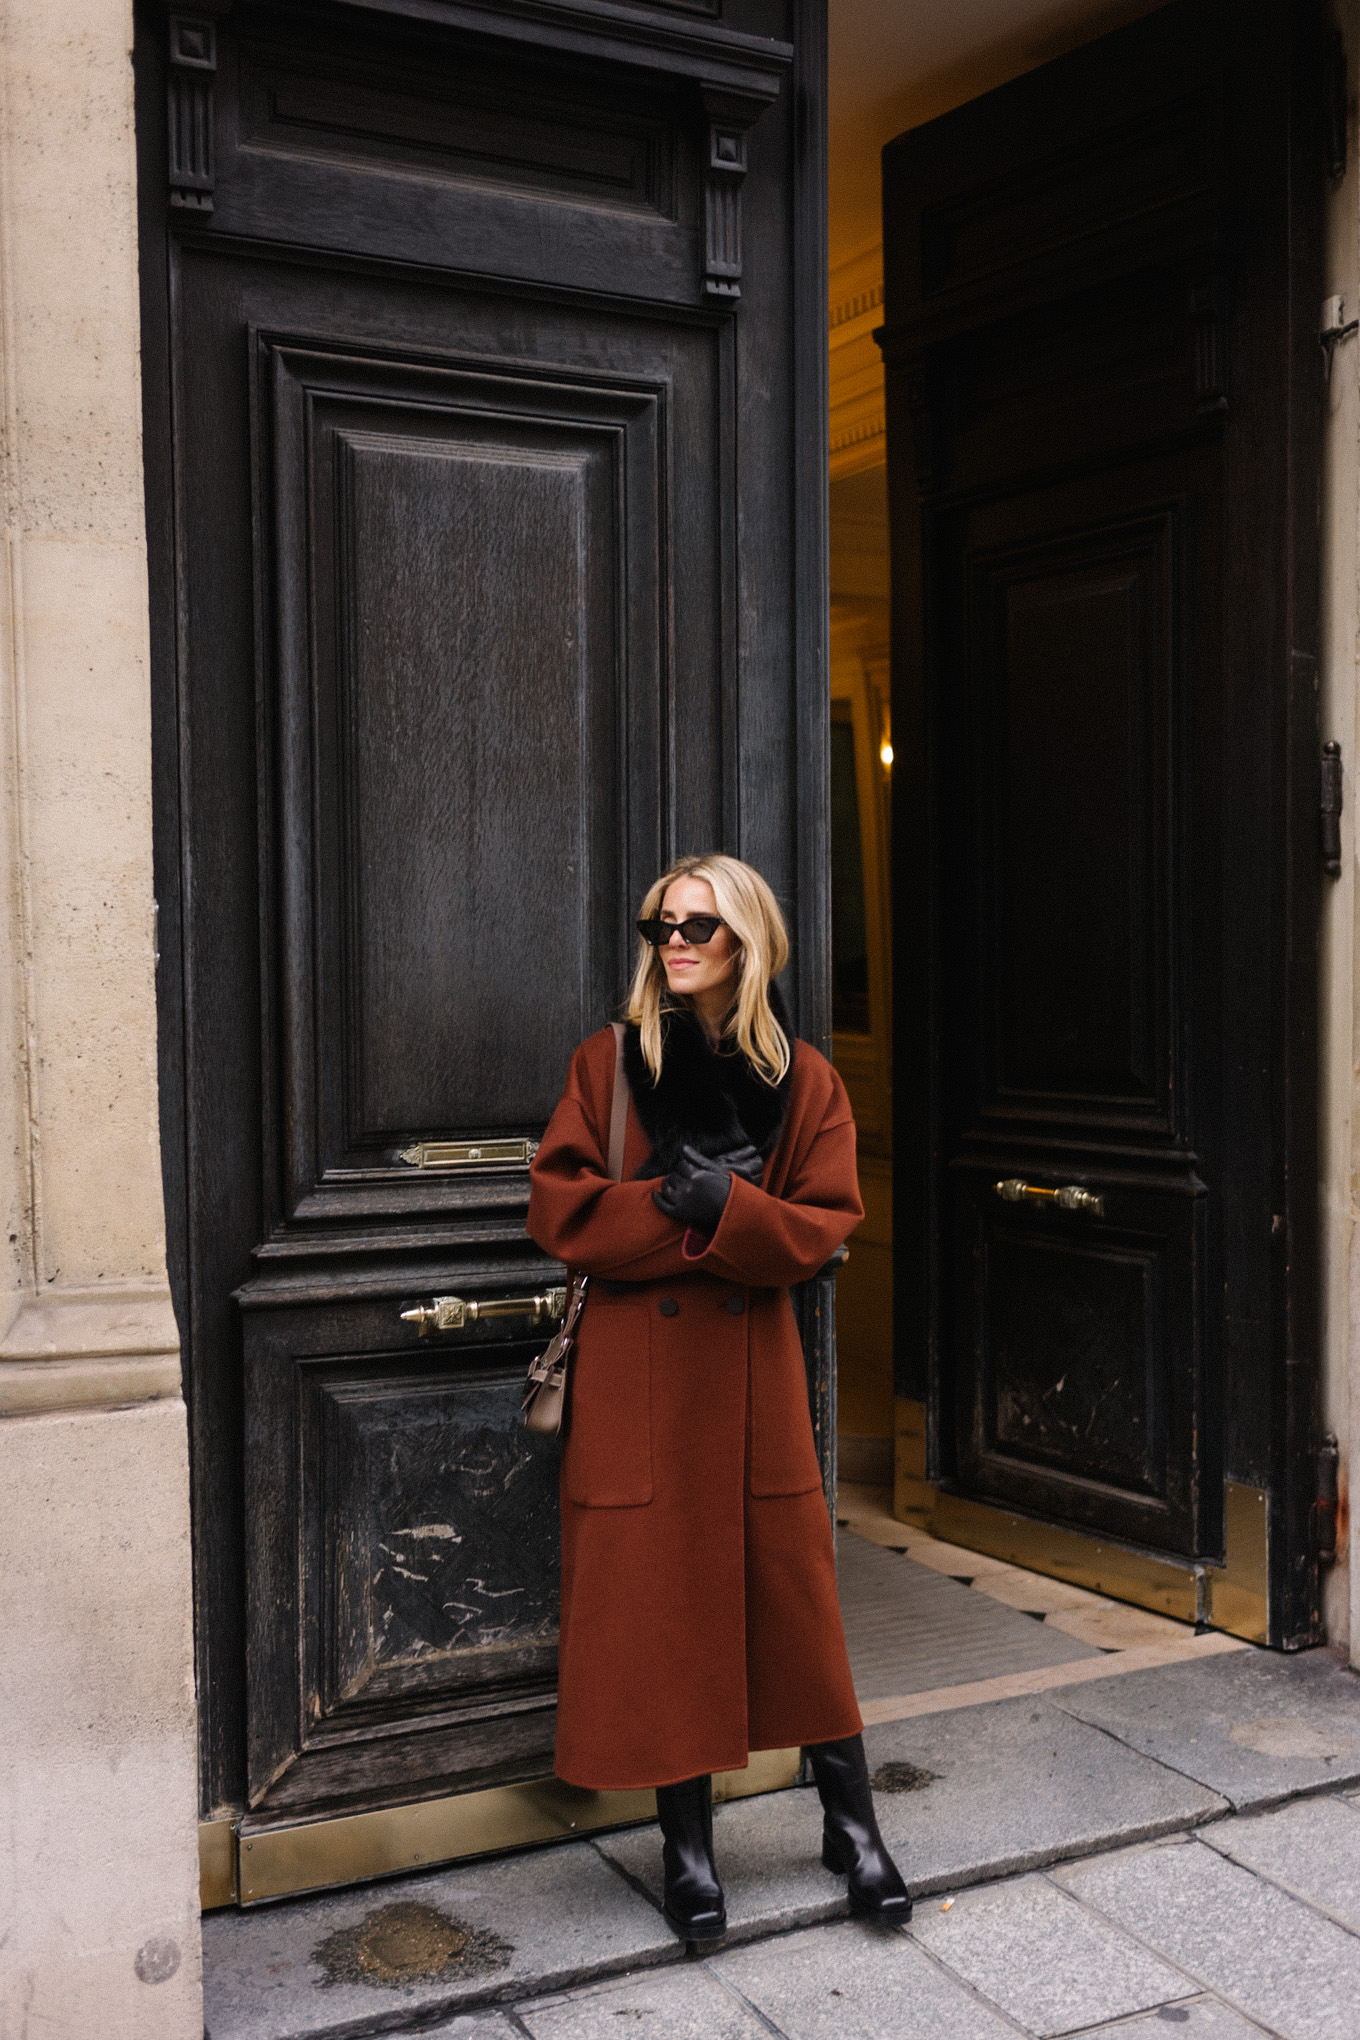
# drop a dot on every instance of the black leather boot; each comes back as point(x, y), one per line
point(694, 1902)
point(851, 1842)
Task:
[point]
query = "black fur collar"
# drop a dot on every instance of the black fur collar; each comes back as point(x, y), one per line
point(710, 1101)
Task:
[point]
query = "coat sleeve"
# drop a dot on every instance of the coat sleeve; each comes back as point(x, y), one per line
point(771, 1242)
point(577, 1213)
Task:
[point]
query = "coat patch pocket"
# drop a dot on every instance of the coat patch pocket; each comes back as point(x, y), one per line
point(607, 1456)
point(783, 1454)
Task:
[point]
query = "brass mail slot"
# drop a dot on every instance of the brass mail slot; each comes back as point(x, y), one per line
point(470, 1154)
point(452, 1313)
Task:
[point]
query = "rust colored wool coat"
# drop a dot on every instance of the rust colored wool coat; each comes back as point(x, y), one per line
point(699, 1610)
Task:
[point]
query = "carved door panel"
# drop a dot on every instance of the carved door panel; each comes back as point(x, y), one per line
point(1104, 718)
point(448, 349)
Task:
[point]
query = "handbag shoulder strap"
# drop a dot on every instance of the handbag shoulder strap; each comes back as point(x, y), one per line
point(618, 1111)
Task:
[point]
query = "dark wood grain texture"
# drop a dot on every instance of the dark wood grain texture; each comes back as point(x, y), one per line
point(466, 618)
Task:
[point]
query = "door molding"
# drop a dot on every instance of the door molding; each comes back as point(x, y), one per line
point(723, 58)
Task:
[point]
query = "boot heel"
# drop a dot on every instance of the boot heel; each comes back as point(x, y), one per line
point(851, 1842)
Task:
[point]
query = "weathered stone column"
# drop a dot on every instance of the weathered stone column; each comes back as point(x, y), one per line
point(98, 1871)
point(1339, 992)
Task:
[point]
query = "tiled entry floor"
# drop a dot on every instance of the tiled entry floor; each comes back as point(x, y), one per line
point(931, 1626)
point(911, 1629)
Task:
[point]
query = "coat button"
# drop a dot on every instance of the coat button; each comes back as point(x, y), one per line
point(736, 1305)
point(668, 1306)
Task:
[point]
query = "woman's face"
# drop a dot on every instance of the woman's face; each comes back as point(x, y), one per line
point(698, 969)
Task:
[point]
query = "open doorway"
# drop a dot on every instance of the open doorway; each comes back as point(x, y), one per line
point(890, 69)
point(861, 1001)
point(1088, 1128)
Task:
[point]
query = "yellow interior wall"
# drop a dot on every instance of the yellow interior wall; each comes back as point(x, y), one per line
point(859, 667)
point(864, 1312)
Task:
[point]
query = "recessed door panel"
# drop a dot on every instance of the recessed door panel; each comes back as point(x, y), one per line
point(432, 1498)
point(1068, 746)
point(442, 813)
point(371, 141)
point(1097, 1308)
point(402, 1551)
point(469, 632)
point(540, 138)
point(1081, 1351)
point(1073, 682)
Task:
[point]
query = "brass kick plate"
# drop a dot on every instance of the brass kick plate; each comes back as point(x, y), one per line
point(276, 1862)
point(1063, 1554)
point(216, 1863)
point(1231, 1596)
point(1239, 1589)
point(470, 1154)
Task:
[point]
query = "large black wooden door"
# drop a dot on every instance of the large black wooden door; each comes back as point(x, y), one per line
point(1101, 302)
point(467, 618)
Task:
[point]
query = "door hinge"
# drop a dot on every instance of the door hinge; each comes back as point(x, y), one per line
point(1329, 811)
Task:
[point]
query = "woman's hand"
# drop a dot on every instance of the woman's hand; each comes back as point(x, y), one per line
point(742, 1161)
point(698, 1187)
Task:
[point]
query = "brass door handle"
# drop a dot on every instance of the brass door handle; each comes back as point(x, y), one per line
point(452, 1313)
point(1071, 1197)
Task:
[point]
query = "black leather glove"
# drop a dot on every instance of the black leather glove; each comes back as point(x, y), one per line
point(698, 1187)
point(745, 1162)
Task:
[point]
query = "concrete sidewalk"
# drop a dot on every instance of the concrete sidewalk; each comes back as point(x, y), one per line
point(1172, 1847)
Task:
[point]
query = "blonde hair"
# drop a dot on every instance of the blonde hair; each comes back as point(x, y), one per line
point(751, 912)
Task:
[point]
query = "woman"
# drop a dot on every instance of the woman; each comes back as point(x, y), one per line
point(699, 1610)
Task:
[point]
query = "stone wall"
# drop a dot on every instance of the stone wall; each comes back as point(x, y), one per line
point(1339, 992)
point(98, 1860)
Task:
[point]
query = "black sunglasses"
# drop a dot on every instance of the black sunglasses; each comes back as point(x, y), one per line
point(698, 928)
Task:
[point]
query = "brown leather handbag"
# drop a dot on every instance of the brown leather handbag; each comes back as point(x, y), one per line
point(545, 1388)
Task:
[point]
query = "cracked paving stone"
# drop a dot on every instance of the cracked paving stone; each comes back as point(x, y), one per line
point(852, 1982)
point(685, 2003)
point(1045, 1960)
point(1311, 1847)
point(1204, 2019)
point(1253, 1727)
point(1252, 1944)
